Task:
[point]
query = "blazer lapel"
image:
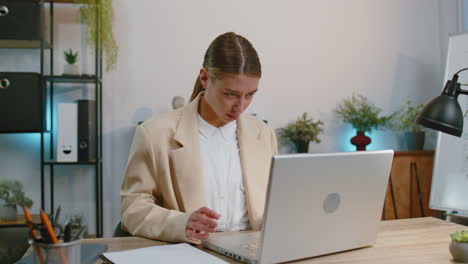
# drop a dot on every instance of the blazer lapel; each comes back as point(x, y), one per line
point(253, 160)
point(186, 162)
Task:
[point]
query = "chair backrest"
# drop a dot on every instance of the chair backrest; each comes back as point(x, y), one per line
point(119, 232)
point(13, 243)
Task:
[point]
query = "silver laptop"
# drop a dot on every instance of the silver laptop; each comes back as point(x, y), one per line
point(316, 204)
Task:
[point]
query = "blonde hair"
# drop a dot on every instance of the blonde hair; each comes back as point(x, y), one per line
point(229, 53)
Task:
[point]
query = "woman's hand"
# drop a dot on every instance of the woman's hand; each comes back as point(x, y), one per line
point(201, 223)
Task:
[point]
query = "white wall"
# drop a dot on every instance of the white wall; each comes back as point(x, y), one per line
point(386, 50)
point(313, 53)
point(465, 15)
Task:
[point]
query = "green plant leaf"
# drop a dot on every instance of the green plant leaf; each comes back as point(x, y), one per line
point(305, 129)
point(406, 118)
point(12, 193)
point(460, 236)
point(101, 31)
point(361, 114)
point(70, 56)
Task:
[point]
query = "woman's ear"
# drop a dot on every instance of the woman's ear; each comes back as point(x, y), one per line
point(203, 77)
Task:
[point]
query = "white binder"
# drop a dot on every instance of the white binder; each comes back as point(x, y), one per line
point(67, 132)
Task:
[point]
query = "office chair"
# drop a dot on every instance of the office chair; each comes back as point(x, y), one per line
point(119, 232)
point(13, 243)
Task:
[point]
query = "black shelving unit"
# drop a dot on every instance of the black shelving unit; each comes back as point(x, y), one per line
point(47, 160)
point(48, 94)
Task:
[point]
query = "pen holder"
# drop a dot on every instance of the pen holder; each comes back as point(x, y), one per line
point(66, 253)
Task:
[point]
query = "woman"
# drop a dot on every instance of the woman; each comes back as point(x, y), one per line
point(203, 167)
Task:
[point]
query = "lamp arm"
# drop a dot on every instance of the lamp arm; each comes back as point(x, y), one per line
point(455, 86)
point(462, 91)
point(461, 71)
point(455, 76)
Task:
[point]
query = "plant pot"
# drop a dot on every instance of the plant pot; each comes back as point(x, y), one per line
point(415, 140)
point(302, 146)
point(71, 69)
point(8, 213)
point(459, 251)
point(360, 141)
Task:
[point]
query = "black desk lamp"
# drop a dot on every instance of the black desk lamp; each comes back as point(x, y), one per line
point(444, 113)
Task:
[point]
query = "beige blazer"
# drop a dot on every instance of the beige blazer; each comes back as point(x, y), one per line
point(163, 182)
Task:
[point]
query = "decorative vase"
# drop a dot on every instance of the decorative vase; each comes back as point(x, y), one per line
point(360, 141)
point(71, 69)
point(8, 213)
point(415, 140)
point(302, 146)
point(459, 251)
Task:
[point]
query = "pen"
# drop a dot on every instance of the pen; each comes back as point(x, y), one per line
point(77, 235)
point(49, 228)
point(57, 214)
point(29, 223)
point(51, 233)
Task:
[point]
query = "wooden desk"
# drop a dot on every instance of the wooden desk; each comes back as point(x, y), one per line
point(416, 240)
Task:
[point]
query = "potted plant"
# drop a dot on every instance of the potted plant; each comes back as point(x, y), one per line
point(405, 121)
point(11, 193)
point(100, 30)
point(70, 68)
point(77, 222)
point(459, 246)
point(301, 132)
point(363, 116)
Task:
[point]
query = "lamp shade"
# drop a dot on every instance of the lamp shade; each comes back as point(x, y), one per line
point(443, 114)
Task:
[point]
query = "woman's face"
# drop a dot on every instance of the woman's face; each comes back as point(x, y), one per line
point(229, 96)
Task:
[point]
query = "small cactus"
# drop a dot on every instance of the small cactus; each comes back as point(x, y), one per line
point(70, 56)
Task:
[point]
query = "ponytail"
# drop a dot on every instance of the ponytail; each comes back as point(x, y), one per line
point(197, 89)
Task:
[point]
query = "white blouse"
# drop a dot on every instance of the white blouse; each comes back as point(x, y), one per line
point(224, 186)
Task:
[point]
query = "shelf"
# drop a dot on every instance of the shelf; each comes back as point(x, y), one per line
point(22, 44)
point(20, 132)
point(19, 222)
point(25, 132)
point(61, 1)
point(53, 162)
point(71, 79)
